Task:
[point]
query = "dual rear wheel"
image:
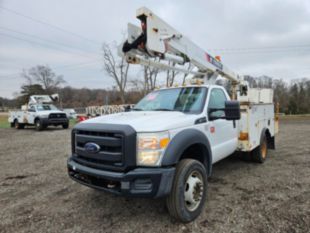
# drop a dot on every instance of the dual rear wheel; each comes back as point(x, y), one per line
point(259, 154)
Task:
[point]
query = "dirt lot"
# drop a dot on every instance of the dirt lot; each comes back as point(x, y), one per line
point(37, 196)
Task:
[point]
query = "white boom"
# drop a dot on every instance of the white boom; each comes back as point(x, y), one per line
point(43, 99)
point(156, 41)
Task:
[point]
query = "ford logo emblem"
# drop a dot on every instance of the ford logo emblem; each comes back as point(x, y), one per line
point(92, 147)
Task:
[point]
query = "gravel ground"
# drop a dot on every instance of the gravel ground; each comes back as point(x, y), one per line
point(36, 194)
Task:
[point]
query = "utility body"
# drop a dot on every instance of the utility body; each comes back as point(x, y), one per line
point(39, 112)
point(166, 144)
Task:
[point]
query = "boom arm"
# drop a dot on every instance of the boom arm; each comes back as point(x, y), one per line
point(157, 41)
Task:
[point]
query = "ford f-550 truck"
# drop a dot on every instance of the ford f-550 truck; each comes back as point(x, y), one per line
point(166, 145)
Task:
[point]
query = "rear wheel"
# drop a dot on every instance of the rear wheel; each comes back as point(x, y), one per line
point(17, 125)
point(259, 154)
point(38, 125)
point(189, 189)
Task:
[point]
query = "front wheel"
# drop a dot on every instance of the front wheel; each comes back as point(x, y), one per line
point(189, 189)
point(65, 125)
point(38, 124)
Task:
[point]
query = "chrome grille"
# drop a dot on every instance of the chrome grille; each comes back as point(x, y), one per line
point(111, 148)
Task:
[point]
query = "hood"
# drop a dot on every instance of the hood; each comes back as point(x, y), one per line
point(47, 112)
point(147, 121)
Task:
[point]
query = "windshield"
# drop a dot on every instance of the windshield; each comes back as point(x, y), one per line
point(46, 107)
point(185, 99)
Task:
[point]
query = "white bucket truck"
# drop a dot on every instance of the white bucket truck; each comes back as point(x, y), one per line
point(166, 145)
point(39, 112)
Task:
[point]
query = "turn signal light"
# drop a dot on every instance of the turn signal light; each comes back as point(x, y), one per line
point(164, 143)
point(243, 136)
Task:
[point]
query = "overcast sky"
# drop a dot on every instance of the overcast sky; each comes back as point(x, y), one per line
point(266, 37)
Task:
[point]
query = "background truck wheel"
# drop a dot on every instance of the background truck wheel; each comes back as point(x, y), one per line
point(38, 124)
point(189, 189)
point(65, 126)
point(259, 154)
point(18, 125)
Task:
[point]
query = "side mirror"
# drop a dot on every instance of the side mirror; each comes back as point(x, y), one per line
point(232, 110)
point(127, 108)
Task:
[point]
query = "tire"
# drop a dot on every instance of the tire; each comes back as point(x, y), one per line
point(65, 126)
point(17, 125)
point(259, 154)
point(183, 204)
point(38, 124)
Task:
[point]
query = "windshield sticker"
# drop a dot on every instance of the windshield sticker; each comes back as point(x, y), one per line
point(152, 96)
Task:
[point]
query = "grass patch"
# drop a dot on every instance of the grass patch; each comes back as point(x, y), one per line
point(4, 124)
point(73, 122)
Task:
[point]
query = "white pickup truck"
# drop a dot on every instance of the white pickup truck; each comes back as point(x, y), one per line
point(39, 112)
point(166, 145)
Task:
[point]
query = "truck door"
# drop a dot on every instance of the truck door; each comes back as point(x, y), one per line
point(222, 133)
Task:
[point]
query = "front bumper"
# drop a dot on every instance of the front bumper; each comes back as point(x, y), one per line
point(55, 121)
point(140, 182)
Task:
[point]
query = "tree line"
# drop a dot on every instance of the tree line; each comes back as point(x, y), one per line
point(293, 97)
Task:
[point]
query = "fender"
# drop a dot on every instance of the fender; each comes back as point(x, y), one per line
point(44, 121)
point(184, 140)
point(270, 140)
point(262, 134)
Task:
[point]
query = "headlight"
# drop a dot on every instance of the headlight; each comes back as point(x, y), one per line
point(151, 148)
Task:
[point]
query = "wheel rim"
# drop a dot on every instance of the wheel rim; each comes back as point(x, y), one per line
point(16, 124)
point(38, 124)
point(193, 191)
point(264, 149)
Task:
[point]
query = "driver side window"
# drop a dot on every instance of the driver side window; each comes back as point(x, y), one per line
point(217, 100)
point(31, 109)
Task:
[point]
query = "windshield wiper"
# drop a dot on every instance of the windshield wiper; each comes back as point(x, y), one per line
point(136, 109)
point(162, 109)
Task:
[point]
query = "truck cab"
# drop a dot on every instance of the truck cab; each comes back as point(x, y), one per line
point(146, 151)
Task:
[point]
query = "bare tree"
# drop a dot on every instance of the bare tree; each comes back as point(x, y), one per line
point(171, 74)
point(44, 76)
point(116, 69)
point(150, 78)
point(185, 75)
